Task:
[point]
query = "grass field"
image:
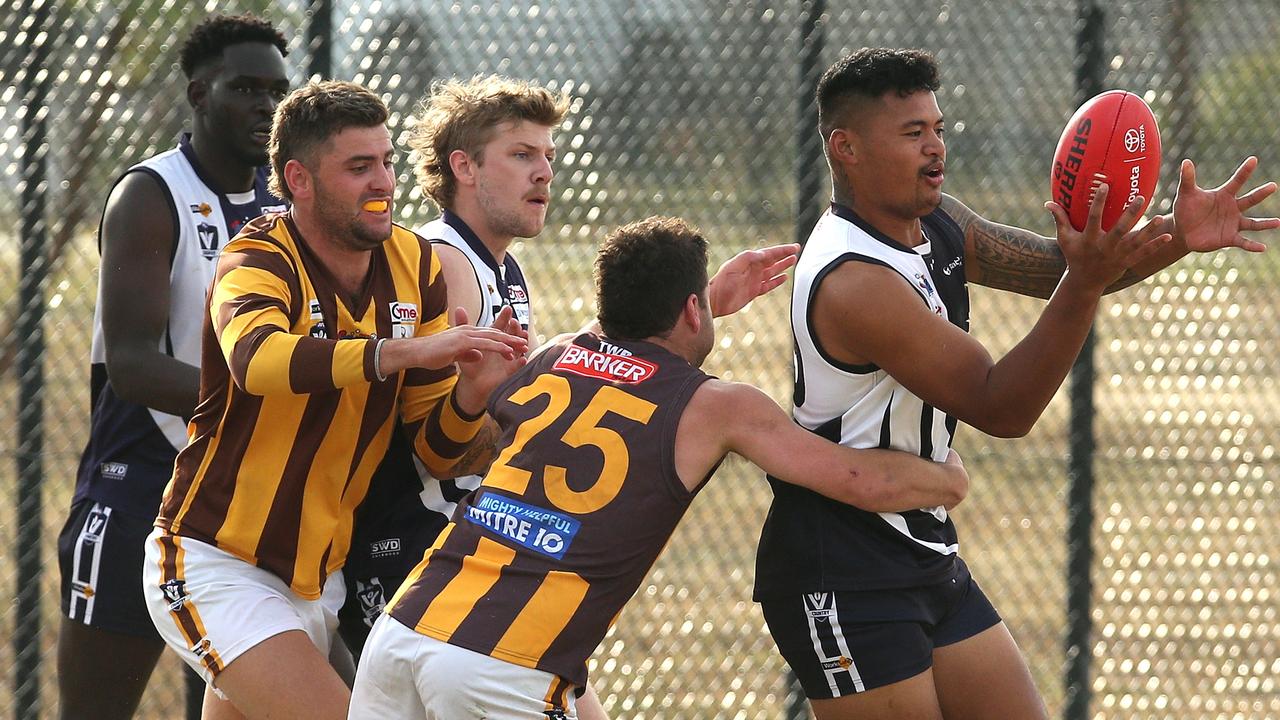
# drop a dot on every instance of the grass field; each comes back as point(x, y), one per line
point(1186, 585)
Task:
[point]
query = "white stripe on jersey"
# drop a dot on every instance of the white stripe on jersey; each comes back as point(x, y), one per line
point(83, 589)
point(869, 403)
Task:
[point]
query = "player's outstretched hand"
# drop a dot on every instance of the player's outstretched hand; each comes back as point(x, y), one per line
point(1208, 220)
point(1096, 258)
point(748, 275)
point(461, 343)
point(481, 373)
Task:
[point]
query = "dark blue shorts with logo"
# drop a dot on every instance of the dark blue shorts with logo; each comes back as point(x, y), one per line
point(849, 641)
point(100, 558)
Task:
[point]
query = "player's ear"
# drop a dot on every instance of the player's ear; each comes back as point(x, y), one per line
point(197, 93)
point(298, 179)
point(842, 146)
point(692, 311)
point(463, 167)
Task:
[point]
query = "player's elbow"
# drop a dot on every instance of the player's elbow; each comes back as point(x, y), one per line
point(1005, 424)
point(129, 381)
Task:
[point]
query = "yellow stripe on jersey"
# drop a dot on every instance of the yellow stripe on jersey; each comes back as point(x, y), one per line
point(479, 573)
point(454, 426)
point(248, 513)
point(543, 618)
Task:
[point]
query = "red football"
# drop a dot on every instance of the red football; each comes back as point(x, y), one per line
point(1112, 139)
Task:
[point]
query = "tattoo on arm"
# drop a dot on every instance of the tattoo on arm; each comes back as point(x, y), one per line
point(479, 454)
point(1007, 258)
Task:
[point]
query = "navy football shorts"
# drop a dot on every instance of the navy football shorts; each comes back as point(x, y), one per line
point(849, 641)
point(100, 556)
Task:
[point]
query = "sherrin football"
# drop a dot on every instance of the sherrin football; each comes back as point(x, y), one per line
point(1112, 139)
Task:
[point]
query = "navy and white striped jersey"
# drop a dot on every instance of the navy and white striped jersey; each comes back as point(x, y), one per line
point(129, 457)
point(811, 543)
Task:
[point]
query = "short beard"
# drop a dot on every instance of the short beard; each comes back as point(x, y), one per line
point(357, 236)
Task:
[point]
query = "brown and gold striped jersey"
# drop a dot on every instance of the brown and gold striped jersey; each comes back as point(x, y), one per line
point(579, 502)
point(292, 420)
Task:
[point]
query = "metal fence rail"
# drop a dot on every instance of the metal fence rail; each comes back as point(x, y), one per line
point(1129, 541)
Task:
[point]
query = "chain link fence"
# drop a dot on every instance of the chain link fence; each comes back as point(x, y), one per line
point(702, 108)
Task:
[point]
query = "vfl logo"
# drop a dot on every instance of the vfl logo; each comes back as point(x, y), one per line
point(319, 331)
point(93, 528)
point(384, 548)
point(175, 591)
point(202, 209)
point(82, 589)
point(372, 599)
point(820, 606)
point(952, 266)
point(208, 235)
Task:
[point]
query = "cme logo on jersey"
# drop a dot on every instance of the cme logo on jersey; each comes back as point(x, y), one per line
point(208, 235)
point(517, 294)
point(613, 368)
point(404, 319)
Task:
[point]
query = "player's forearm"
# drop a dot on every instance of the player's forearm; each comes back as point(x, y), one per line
point(896, 481)
point(151, 378)
point(1020, 385)
point(267, 360)
point(452, 442)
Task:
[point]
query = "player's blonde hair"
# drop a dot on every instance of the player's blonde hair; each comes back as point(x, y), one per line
point(462, 115)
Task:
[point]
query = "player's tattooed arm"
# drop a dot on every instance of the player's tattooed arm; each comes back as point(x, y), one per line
point(479, 454)
point(1010, 258)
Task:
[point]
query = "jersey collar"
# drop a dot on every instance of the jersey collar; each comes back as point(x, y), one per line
point(473, 241)
point(846, 213)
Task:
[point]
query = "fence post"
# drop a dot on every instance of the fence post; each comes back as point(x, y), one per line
point(809, 158)
point(809, 155)
point(33, 82)
point(320, 39)
point(1090, 71)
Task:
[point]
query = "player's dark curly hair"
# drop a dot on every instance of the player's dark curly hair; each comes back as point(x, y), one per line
point(869, 73)
point(218, 32)
point(644, 273)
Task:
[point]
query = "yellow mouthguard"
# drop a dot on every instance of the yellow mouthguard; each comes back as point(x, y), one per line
point(376, 206)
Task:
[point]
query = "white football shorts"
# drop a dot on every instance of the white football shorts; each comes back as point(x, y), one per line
point(405, 674)
point(210, 606)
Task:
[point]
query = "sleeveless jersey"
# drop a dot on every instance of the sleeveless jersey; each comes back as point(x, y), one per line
point(129, 456)
point(578, 504)
point(292, 421)
point(810, 543)
point(406, 507)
